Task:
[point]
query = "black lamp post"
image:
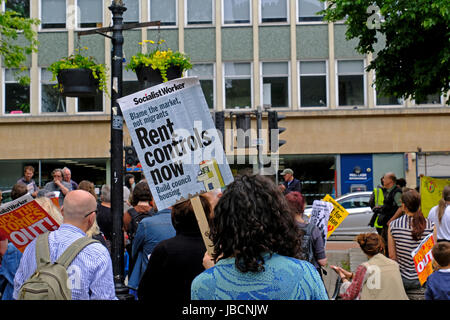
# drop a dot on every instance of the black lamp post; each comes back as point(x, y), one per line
point(117, 245)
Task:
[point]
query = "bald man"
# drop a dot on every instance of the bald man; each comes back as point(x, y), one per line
point(90, 272)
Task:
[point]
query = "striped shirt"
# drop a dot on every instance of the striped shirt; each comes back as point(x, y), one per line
point(90, 272)
point(404, 244)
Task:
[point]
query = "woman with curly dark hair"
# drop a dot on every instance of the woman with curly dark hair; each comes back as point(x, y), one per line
point(256, 248)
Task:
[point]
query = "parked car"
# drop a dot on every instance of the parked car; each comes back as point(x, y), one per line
point(359, 214)
point(6, 196)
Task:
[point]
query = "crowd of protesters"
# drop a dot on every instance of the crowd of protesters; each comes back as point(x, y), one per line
point(262, 246)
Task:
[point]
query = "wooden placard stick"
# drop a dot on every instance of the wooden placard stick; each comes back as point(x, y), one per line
point(202, 223)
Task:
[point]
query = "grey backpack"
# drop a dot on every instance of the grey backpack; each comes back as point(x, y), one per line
point(50, 281)
point(307, 244)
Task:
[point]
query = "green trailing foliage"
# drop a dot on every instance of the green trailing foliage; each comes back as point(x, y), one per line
point(13, 24)
point(159, 59)
point(78, 60)
point(415, 61)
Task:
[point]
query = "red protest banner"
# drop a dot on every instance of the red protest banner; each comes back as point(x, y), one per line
point(23, 220)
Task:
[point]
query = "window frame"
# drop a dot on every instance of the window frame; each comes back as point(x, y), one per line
point(297, 15)
point(327, 84)
point(3, 8)
point(261, 23)
point(213, 64)
point(431, 105)
point(237, 24)
point(261, 83)
point(238, 78)
point(390, 106)
point(4, 82)
point(90, 112)
point(139, 14)
point(175, 26)
point(40, 95)
point(199, 25)
point(364, 74)
point(78, 12)
point(52, 29)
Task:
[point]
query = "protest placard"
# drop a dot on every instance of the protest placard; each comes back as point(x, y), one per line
point(176, 141)
point(336, 216)
point(320, 215)
point(431, 192)
point(423, 258)
point(23, 219)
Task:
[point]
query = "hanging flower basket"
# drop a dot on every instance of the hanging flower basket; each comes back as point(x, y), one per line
point(149, 77)
point(158, 66)
point(77, 83)
point(79, 76)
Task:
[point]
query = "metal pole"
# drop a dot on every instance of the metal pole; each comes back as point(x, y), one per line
point(117, 245)
point(258, 137)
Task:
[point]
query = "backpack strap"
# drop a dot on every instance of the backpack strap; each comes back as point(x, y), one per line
point(42, 250)
point(73, 250)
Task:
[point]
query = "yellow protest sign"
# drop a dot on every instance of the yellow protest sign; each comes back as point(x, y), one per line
point(336, 216)
point(431, 192)
point(423, 257)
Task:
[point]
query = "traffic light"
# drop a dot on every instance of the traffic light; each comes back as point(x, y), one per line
point(219, 119)
point(275, 131)
point(131, 157)
point(243, 126)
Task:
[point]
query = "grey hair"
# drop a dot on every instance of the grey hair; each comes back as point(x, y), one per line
point(105, 193)
point(64, 170)
point(56, 170)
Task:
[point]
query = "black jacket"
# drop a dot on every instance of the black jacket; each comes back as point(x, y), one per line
point(295, 185)
point(173, 264)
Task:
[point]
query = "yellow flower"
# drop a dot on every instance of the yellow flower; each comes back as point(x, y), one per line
point(140, 43)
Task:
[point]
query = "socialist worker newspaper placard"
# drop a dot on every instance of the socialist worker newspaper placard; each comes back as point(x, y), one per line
point(176, 141)
point(23, 219)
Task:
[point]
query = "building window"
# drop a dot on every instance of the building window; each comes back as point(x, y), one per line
point(91, 104)
point(17, 96)
point(431, 99)
point(273, 11)
point(275, 78)
point(130, 84)
point(90, 14)
point(236, 11)
point(164, 11)
point(387, 100)
point(238, 85)
point(205, 73)
point(351, 82)
point(53, 14)
point(307, 10)
point(22, 7)
point(51, 99)
point(199, 12)
point(313, 84)
point(132, 13)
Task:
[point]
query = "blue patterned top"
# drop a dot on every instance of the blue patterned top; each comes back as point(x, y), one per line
point(283, 278)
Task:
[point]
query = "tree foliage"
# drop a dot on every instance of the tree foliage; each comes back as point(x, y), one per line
point(415, 61)
point(12, 26)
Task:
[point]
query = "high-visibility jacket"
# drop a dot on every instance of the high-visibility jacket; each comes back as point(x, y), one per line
point(379, 200)
point(378, 197)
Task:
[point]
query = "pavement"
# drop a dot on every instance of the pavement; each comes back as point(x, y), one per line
point(346, 254)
